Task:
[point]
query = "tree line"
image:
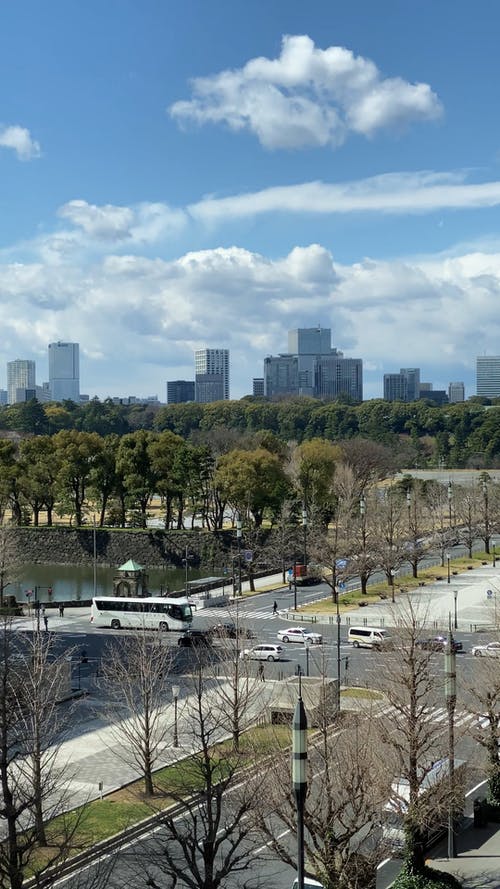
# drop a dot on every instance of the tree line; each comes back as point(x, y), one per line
point(422, 433)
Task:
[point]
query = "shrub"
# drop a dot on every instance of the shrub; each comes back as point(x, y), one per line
point(428, 879)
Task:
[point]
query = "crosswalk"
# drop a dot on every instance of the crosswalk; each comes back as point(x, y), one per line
point(222, 613)
point(462, 719)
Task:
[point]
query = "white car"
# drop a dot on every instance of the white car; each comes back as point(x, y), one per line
point(262, 653)
point(299, 634)
point(492, 649)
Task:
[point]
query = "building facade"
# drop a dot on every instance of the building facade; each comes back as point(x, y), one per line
point(64, 371)
point(258, 386)
point(211, 380)
point(488, 376)
point(456, 393)
point(21, 385)
point(180, 391)
point(313, 368)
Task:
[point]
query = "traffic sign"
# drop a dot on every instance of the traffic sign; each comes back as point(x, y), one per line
point(489, 594)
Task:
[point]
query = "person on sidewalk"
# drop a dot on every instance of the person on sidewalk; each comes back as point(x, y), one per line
point(61, 610)
point(45, 622)
point(260, 672)
point(275, 608)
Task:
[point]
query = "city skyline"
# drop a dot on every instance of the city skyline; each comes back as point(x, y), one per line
point(204, 179)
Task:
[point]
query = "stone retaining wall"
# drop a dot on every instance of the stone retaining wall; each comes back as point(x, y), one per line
point(154, 548)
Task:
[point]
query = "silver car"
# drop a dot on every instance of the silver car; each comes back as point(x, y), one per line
point(492, 649)
point(299, 634)
point(262, 653)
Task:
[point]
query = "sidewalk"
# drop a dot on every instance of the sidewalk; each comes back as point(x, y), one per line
point(477, 863)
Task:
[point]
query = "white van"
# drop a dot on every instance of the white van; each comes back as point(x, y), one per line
point(367, 637)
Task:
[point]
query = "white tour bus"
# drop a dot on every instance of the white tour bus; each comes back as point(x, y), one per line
point(154, 612)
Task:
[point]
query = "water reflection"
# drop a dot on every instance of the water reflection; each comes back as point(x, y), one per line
point(57, 583)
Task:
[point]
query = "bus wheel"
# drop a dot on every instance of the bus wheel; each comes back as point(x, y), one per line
point(115, 624)
point(163, 627)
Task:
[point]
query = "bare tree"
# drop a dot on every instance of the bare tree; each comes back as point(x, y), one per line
point(34, 784)
point(467, 514)
point(484, 703)
point(135, 670)
point(409, 682)
point(348, 783)
point(211, 838)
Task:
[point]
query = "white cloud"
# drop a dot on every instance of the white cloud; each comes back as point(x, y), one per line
point(394, 193)
point(19, 139)
point(144, 223)
point(308, 97)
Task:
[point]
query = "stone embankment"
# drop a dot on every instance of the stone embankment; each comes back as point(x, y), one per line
point(154, 548)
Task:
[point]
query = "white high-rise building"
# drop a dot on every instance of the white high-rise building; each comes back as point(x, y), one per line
point(64, 371)
point(456, 392)
point(488, 376)
point(211, 381)
point(21, 385)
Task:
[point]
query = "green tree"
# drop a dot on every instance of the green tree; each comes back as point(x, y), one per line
point(76, 453)
point(133, 463)
point(39, 468)
point(252, 481)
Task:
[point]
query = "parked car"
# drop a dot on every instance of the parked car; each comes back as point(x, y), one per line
point(491, 649)
point(262, 653)
point(230, 631)
point(299, 634)
point(194, 637)
point(437, 643)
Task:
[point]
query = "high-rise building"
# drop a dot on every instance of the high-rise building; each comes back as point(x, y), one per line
point(456, 393)
point(281, 375)
point(335, 375)
point(312, 367)
point(180, 391)
point(64, 371)
point(412, 377)
point(21, 385)
point(211, 375)
point(258, 386)
point(395, 387)
point(488, 376)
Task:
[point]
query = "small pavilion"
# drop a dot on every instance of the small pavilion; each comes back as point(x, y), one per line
point(130, 579)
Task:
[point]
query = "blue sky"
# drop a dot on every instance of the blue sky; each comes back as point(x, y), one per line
point(176, 175)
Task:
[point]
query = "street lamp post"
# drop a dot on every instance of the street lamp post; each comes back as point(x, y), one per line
point(186, 559)
point(362, 513)
point(494, 543)
point(307, 645)
point(238, 541)
point(304, 529)
point(450, 497)
point(338, 650)
point(486, 517)
point(393, 575)
point(299, 778)
point(455, 615)
point(448, 566)
point(450, 669)
point(175, 695)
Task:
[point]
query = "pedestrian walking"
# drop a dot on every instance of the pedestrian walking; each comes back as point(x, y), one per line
point(61, 610)
point(46, 622)
point(260, 672)
point(275, 608)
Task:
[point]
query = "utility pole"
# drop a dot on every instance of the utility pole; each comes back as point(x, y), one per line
point(450, 671)
point(299, 779)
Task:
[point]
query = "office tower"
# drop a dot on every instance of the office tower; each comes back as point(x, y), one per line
point(3, 396)
point(64, 371)
point(412, 377)
point(20, 380)
point(395, 388)
point(180, 391)
point(488, 376)
point(211, 375)
point(456, 393)
point(335, 375)
point(258, 386)
point(281, 375)
point(308, 343)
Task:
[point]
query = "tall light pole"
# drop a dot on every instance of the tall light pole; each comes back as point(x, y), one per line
point(186, 559)
point(448, 566)
point(362, 513)
point(455, 615)
point(238, 541)
point(307, 645)
point(494, 543)
point(338, 649)
point(304, 529)
point(95, 559)
point(175, 695)
point(299, 778)
point(450, 671)
point(450, 498)
point(486, 517)
point(393, 575)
